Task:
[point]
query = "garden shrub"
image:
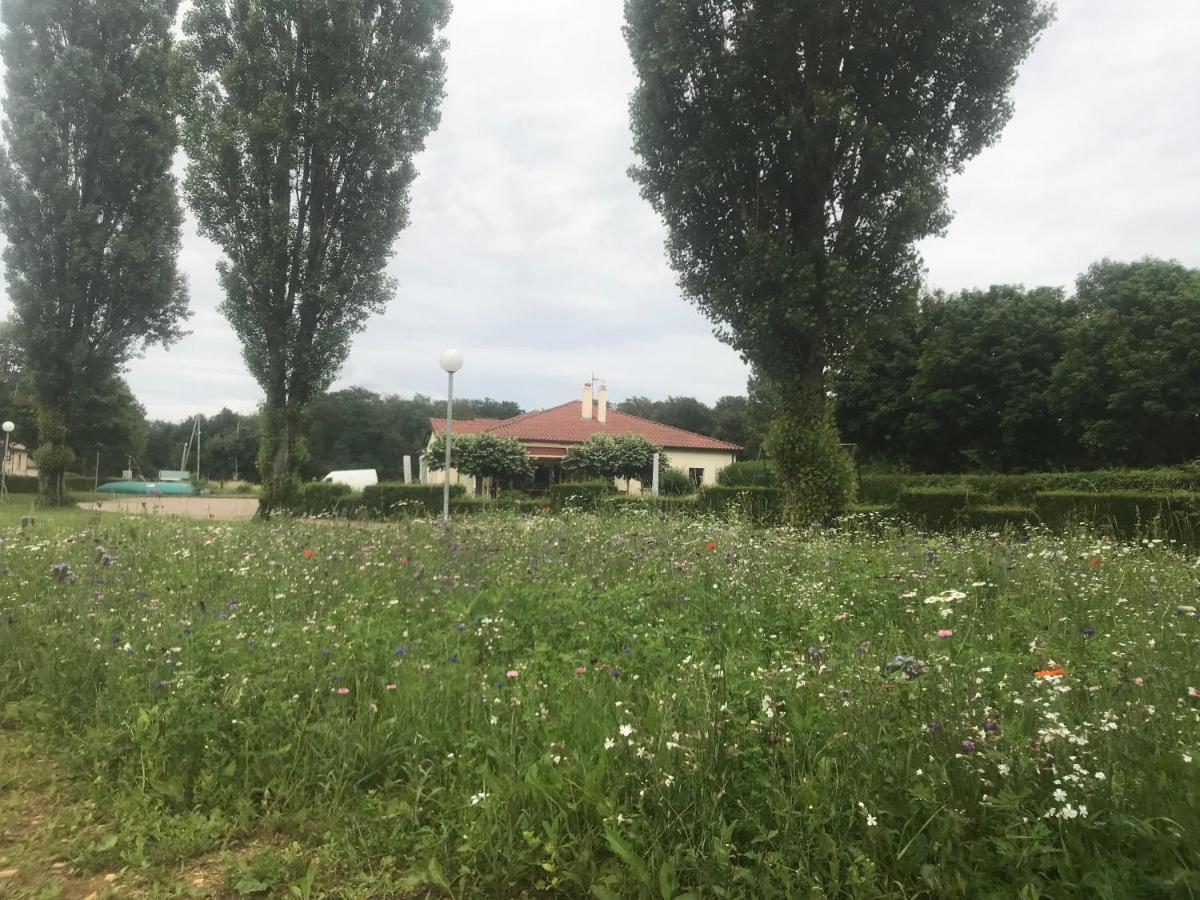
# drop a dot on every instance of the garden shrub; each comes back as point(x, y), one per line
point(396, 499)
point(749, 473)
point(761, 505)
point(675, 483)
point(1123, 513)
point(324, 499)
point(1020, 489)
point(999, 518)
point(816, 474)
point(939, 509)
point(21, 484)
point(580, 494)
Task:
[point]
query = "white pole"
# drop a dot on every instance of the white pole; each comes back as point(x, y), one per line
point(654, 485)
point(407, 469)
point(4, 470)
point(449, 429)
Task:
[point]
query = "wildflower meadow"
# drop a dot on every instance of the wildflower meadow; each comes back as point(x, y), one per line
point(610, 706)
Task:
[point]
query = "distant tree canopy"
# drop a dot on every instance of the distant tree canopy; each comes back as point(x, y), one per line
point(739, 420)
point(1010, 379)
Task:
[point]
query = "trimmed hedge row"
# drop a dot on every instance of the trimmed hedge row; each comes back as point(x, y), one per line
point(1124, 513)
point(1019, 490)
point(323, 499)
point(21, 484)
point(587, 495)
point(390, 499)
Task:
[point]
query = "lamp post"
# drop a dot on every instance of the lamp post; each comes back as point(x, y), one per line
point(96, 480)
point(451, 361)
point(8, 427)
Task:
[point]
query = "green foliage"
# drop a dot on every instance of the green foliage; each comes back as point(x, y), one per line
point(504, 460)
point(1000, 518)
point(816, 474)
point(675, 482)
point(1013, 380)
point(1127, 513)
point(752, 473)
point(301, 135)
point(759, 505)
point(21, 484)
point(626, 456)
point(942, 509)
point(87, 199)
point(795, 171)
point(1020, 490)
point(320, 498)
point(580, 494)
point(403, 500)
point(1129, 384)
point(347, 692)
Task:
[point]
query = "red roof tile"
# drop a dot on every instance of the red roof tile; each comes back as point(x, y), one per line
point(564, 425)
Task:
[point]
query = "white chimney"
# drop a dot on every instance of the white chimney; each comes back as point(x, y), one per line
point(602, 405)
point(585, 408)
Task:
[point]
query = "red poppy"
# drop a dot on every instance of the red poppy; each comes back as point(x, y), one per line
point(1051, 673)
point(404, 560)
point(309, 554)
point(711, 545)
point(1095, 563)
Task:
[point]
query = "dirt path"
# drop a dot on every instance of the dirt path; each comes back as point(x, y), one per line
point(220, 509)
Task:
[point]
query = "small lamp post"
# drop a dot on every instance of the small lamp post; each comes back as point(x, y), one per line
point(8, 427)
point(450, 361)
point(96, 480)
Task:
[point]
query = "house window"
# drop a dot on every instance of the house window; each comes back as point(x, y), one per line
point(697, 476)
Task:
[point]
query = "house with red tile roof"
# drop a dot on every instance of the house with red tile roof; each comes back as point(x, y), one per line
point(548, 433)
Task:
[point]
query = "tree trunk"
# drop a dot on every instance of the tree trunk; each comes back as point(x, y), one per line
point(277, 458)
point(53, 455)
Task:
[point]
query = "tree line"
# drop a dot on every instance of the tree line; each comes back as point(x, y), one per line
point(795, 151)
point(1012, 380)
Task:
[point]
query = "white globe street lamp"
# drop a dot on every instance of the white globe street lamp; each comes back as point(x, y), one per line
point(450, 361)
point(8, 428)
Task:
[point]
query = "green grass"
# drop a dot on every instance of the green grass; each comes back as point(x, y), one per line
point(611, 707)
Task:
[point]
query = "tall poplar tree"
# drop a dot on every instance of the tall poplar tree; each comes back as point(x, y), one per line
point(302, 134)
point(797, 151)
point(87, 199)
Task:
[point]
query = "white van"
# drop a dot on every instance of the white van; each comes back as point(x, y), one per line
point(356, 478)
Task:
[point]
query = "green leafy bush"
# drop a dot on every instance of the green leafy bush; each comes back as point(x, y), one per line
point(580, 494)
point(1123, 513)
point(21, 484)
point(675, 483)
point(392, 499)
point(1021, 489)
point(999, 518)
point(324, 499)
point(761, 505)
point(939, 509)
point(749, 473)
point(816, 474)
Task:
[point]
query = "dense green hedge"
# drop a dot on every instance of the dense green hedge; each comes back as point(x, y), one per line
point(763, 505)
point(940, 509)
point(1000, 518)
point(1124, 513)
point(675, 483)
point(323, 499)
point(580, 494)
point(393, 499)
point(749, 473)
point(21, 484)
point(1019, 490)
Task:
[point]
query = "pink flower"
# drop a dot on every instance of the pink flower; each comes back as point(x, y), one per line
point(580, 671)
point(1139, 681)
point(343, 691)
point(511, 673)
point(391, 687)
point(945, 633)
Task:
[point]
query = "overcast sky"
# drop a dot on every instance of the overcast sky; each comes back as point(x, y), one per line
point(530, 250)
